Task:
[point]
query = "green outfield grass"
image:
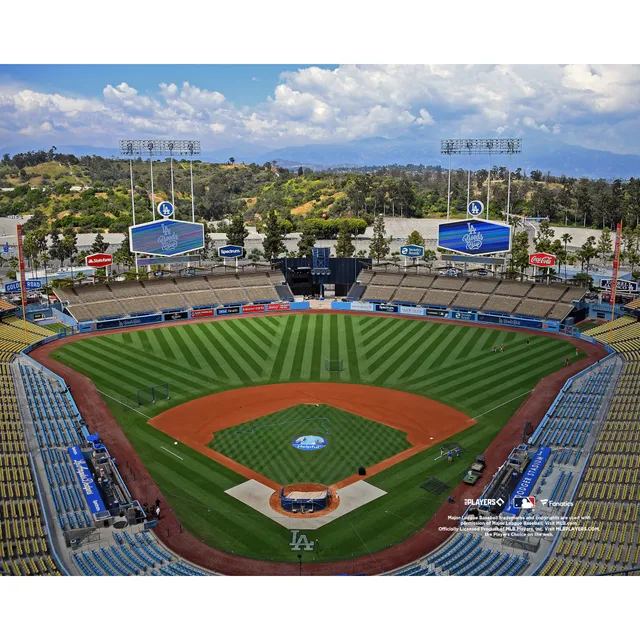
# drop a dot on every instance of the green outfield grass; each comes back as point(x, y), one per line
point(266, 444)
point(450, 363)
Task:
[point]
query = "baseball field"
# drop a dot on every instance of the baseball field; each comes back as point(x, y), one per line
point(452, 364)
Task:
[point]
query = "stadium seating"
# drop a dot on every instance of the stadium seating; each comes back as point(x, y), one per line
point(473, 293)
point(116, 299)
point(609, 492)
point(24, 547)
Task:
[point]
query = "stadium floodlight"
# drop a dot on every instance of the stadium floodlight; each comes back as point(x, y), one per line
point(480, 146)
point(159, 148)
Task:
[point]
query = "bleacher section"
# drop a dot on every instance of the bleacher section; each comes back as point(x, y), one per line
point(116, 299)
point(464, 555)
point(609, 493)
point(477, 294)
point(24, 548)
point(138, 554)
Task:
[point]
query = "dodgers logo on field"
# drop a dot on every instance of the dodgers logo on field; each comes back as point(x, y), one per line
point(309, 443)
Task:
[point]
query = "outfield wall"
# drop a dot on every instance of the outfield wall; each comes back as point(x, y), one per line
point(466, 316)
point(157, 318)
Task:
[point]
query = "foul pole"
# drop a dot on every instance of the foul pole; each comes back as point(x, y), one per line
point(23, 284)
point(614, 281)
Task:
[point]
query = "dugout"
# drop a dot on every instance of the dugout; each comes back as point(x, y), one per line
point(304, 498)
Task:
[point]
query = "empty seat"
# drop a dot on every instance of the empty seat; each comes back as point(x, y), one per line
point(93, 292)
point(388, 279)
point(469, 300)
point(255, 279)
point(261, 293)
point(480, 286)
point(169, 301)
point(133, 306)
point(547, 292)
point(196, 283)
point(160, 285)
point(538, 308)
point(365, 276)
point(438, 298)
point(229, 296)
point(375, 292)
point(418, 281)
point(404, 294)
point(129, 289)
point(501, 304)
point(574, 293)
point(560, 311)
point(96, 310)
point(223, 282)
point(448, 283)
point(512, 288)
point(201, 298)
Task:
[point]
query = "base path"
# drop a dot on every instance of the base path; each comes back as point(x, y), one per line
point(425, 421)
point(99, 418)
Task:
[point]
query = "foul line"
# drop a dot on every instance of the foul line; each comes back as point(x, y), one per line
point(124, 404)
point(173, 454)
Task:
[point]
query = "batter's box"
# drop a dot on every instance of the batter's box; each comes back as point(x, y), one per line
point(433, 485)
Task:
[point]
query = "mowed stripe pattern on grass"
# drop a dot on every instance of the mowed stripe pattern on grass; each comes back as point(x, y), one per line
point(450, 363)
point(265, 445)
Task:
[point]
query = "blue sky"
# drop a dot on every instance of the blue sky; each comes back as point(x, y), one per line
point(246, 84)
point(274, 106)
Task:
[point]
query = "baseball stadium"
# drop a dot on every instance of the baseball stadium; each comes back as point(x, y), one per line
point(221, 424)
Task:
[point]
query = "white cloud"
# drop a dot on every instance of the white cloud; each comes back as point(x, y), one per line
point(596, 103)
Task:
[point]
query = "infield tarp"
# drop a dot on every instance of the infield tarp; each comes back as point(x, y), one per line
point(528, 480)
point(89, 488)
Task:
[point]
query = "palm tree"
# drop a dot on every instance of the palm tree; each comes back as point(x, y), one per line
point(566, 239)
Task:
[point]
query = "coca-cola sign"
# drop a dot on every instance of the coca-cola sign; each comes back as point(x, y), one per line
point(99, 260)
point(542, 260)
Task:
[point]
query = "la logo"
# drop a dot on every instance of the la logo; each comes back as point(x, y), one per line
point(300, 543)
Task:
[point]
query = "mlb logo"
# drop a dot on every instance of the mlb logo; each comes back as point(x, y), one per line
point(524, 502)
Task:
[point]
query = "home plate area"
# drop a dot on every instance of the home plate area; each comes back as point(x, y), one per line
point(260, 497)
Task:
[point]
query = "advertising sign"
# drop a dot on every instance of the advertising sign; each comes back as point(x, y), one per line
point(542, 259)
point(87, 483)
point(474, 237)
point(621, 285)
point(412, 311)
point(412, 251)
point(528, 480)
point(463, 315)
point(225, 311)
point(230, 251)
point(202, 313)
point(99, 260)
point(128, 322)
point(362, 306)
point(387, 308)
point(166, 237)
point(309, 443)
point(14, 287)
point(178, 315)
point(253, 308)
point(279, 306)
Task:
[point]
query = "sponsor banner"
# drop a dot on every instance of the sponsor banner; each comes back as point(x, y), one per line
point(528, 480)
point(127, 322)
point(412, 251)
point(437, 312)
point(362, 306)
point(178, 315)
point(99, 260)
point(309, 443)
point(621, 285)
point(279, 306)
point(387, 308)
point(474, 237)
point(89, 488)
point(231, 251)
point(412, 311)
point(225, 311)
point(166, 237)
point(513, 322)
point(541, 259)
point(463, 315)
point(253, 308)
point(202, 313)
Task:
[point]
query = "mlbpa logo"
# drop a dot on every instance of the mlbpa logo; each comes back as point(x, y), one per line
point(300, 543)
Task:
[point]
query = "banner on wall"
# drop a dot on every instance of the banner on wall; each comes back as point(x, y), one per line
point(474, 237)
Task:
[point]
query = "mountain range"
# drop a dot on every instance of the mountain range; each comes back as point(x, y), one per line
point(539, 151)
